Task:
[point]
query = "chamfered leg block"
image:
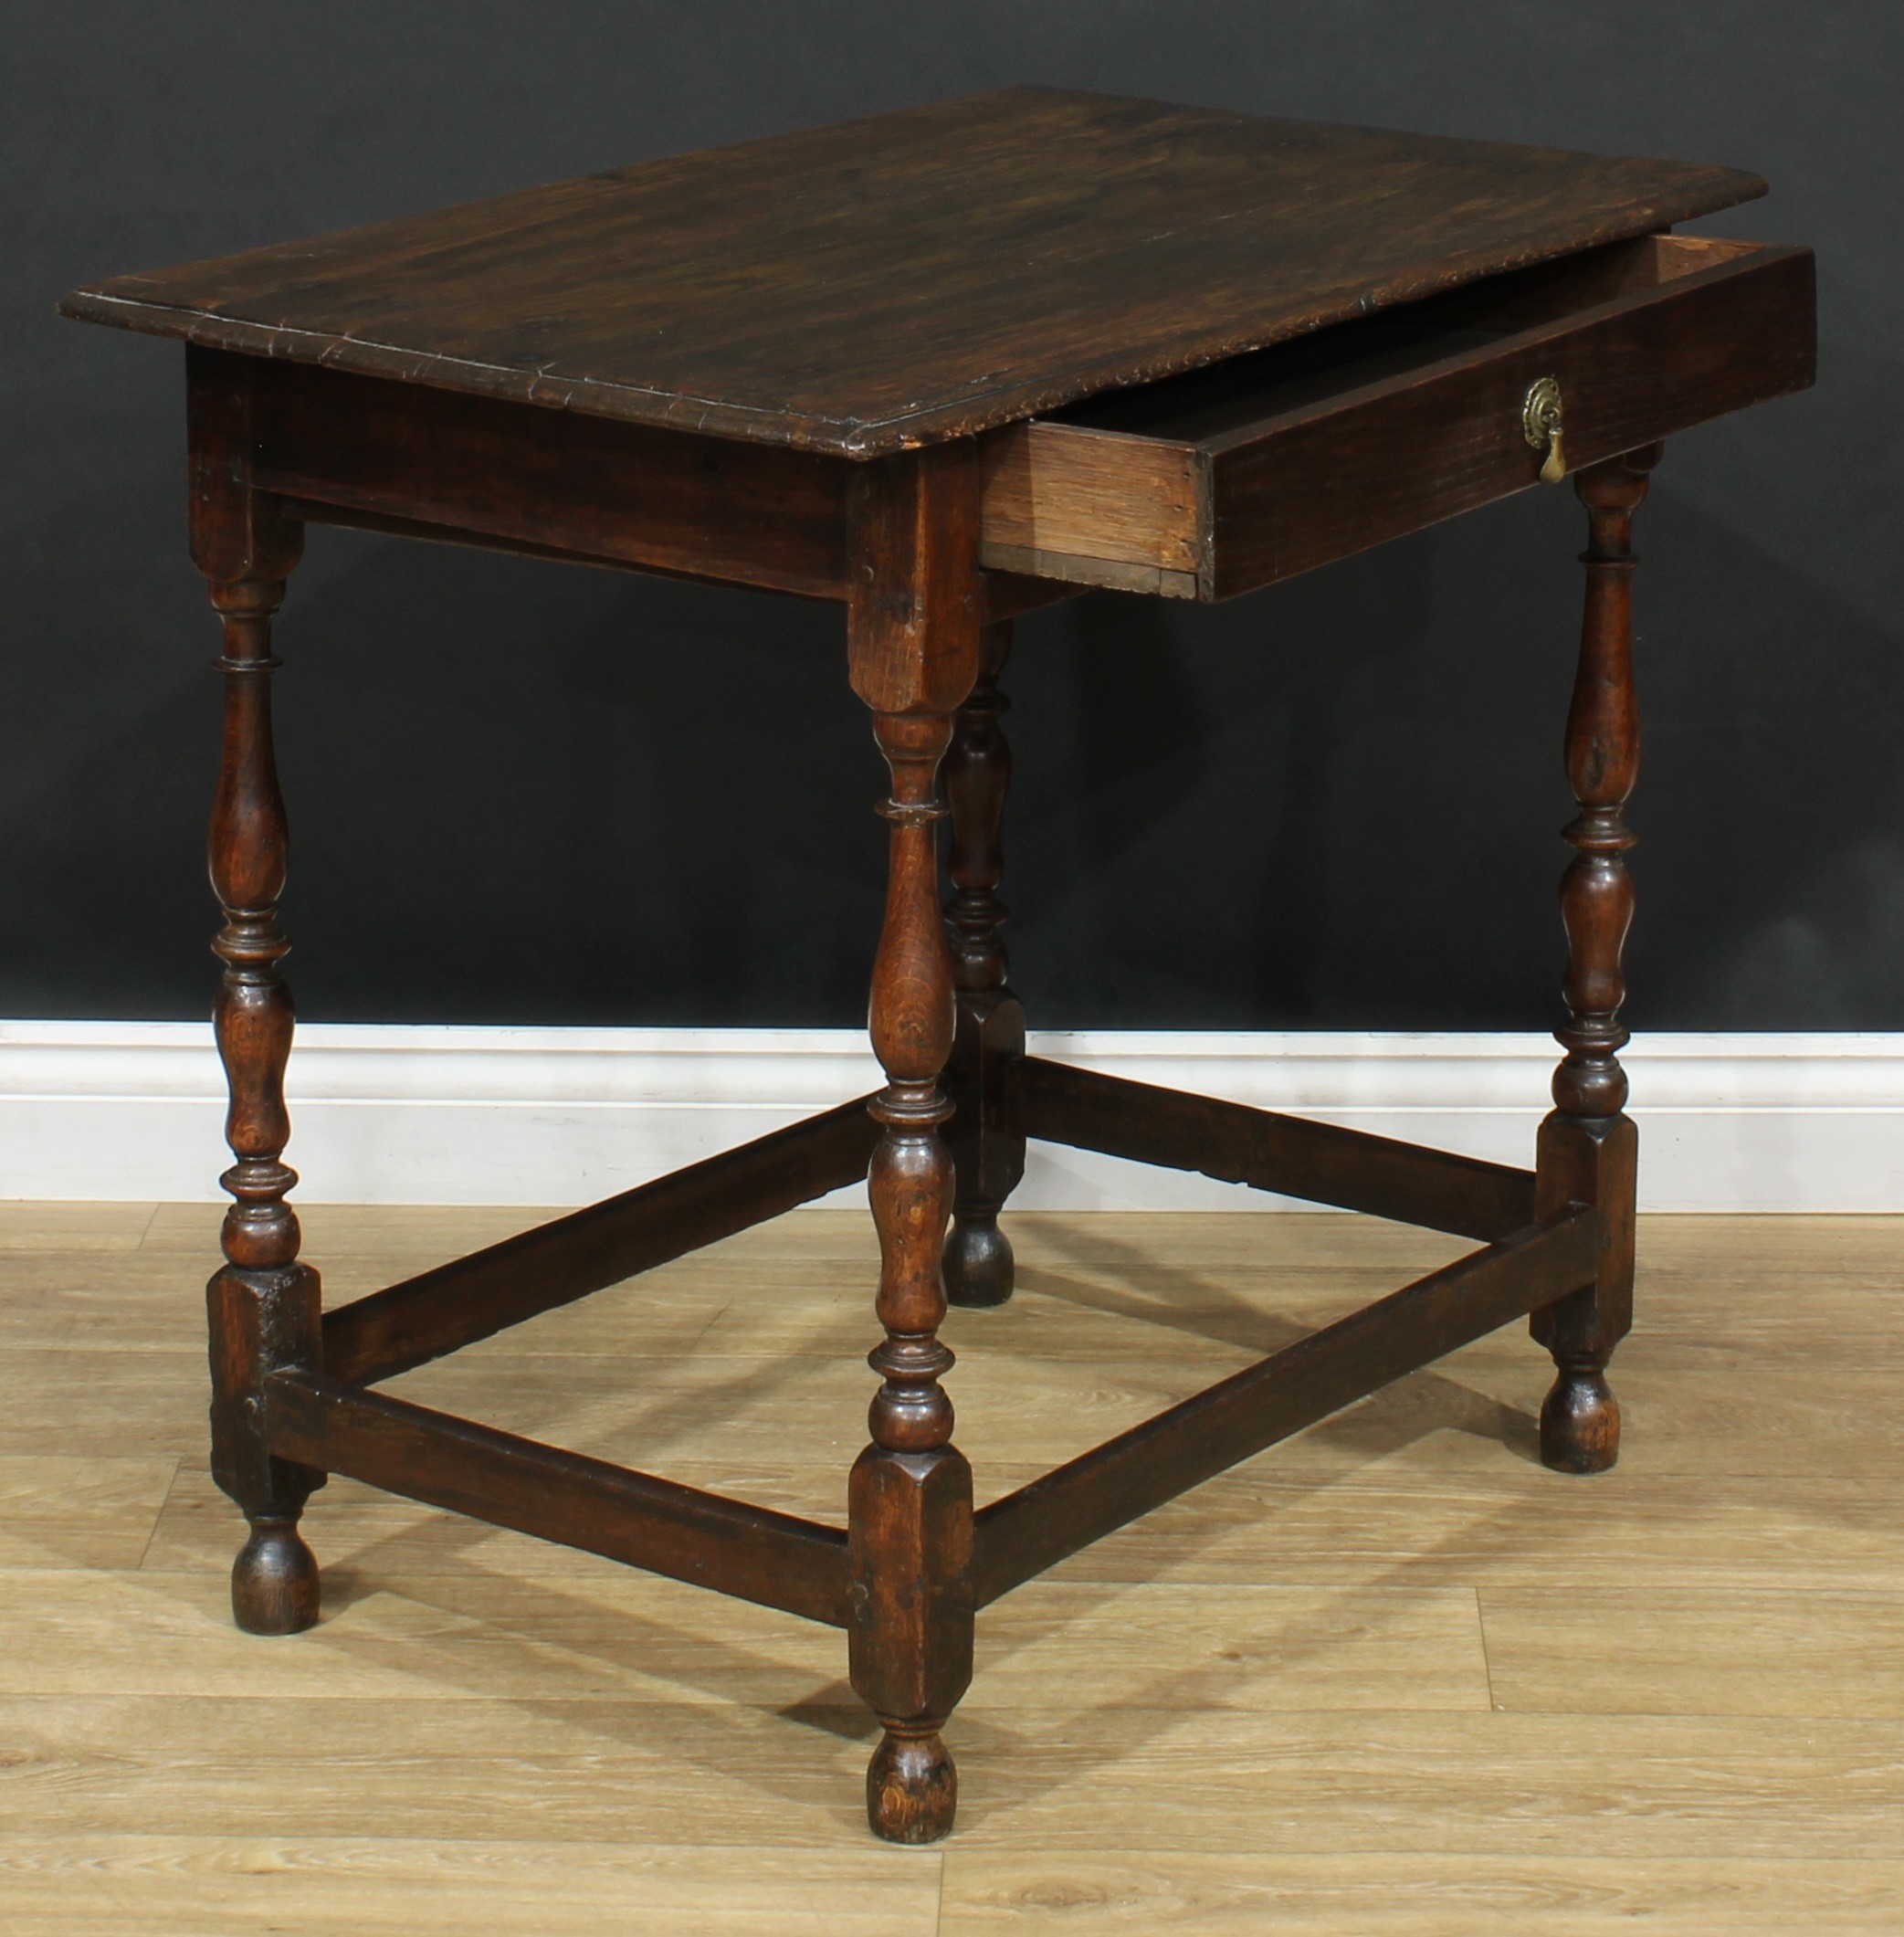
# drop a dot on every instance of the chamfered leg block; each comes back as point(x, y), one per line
point(1588, 1146)
point(987, 1145)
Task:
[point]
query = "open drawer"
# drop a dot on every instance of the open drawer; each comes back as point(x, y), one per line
point(1215, 482)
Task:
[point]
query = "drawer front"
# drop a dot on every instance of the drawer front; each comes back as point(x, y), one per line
point(1643, 343)
point(1414, 450)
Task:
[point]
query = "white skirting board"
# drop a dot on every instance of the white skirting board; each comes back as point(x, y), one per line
point(552, 1116)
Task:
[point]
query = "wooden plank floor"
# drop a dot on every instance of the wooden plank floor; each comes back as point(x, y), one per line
point(1392, 1677)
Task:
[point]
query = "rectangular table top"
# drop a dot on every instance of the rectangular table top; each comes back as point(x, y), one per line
point(879, 284)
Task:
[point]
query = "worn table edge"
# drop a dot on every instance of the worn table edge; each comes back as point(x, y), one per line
point(851, 438)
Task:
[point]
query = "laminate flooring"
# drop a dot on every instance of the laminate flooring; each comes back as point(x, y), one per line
point(1391, 1676)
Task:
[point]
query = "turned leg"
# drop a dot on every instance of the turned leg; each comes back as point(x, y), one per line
point(988, 1153)
point(1588, 1145)
point(913, 639)
point(264, 1305)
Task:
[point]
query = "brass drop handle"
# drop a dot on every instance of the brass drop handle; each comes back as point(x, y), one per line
point(1540, 425)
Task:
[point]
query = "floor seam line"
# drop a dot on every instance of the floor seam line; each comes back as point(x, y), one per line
point(166, 1501)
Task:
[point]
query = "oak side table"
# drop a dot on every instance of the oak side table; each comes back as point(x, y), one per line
point(942, 366)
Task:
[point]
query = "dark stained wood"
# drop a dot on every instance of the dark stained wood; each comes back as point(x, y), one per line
point(1602, 764)
point(913, 651)
point(626, 493)
point(917, 275)
point(313, 510)
point(806, 364)
point(476, 1297)
point(256, 1322)
point(1588, 1161)
point(1323, 1163)
point(253, 1016)
point(262, 1307)
point(987, 1147)
point(916, 596)
point(1005, 595)
point(1009, 594)
point(703, 1538)
point(1644, 366)
point(1413, 416)
point(1589, 1149)
point(238, 534)
point(1035, 1528)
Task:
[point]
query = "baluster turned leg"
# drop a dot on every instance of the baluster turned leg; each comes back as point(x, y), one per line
point(913, 640)
point(264, 1305)
point(1588, 1146)
point(911, 1489)
point(987, 1150)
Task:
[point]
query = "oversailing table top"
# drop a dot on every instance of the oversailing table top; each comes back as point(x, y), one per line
point(874, 285)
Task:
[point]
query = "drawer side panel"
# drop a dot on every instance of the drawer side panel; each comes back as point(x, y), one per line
point(1067, 490)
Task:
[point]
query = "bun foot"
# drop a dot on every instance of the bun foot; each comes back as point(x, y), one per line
point(978, 1262)
point(274, 1581)
point(1579, 1422)
point(912, 1789)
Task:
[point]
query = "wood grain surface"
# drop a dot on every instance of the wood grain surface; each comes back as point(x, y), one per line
point(919, 275)
point(1392, 1678)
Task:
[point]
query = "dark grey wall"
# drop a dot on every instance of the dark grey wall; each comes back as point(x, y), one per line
point(521, 793)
